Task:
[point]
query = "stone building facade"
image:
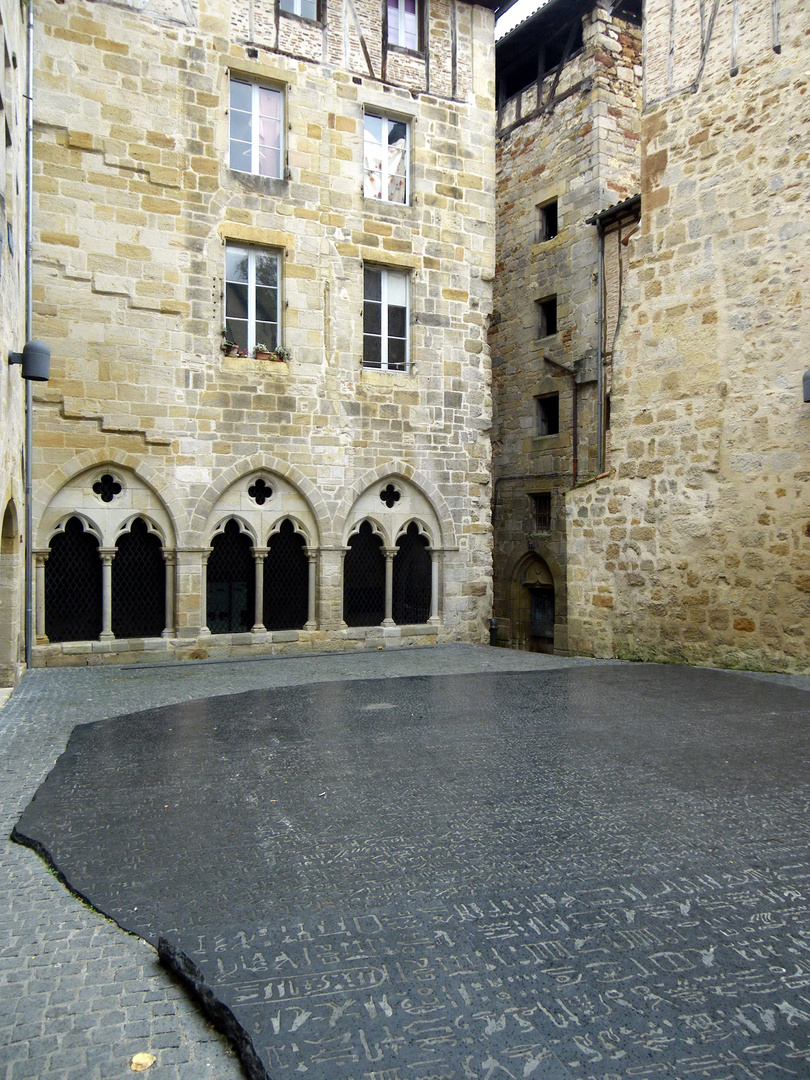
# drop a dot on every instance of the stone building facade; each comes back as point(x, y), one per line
point(218, 175)
point(567, 148)
point(696, 545)
point(13, 82)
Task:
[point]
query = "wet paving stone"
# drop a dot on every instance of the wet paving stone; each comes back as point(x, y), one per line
point(598, 872)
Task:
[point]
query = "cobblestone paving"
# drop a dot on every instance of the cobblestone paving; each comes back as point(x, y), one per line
point(712, 838)
point(78, 997)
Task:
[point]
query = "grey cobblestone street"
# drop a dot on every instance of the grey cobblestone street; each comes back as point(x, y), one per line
point(78, 996)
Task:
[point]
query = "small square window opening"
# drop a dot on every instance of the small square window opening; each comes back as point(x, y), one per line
point(547, 221)
point(548, 414)
point(547, 316)
point(541, 508)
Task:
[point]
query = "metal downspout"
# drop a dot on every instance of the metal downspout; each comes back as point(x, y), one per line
point(600, 387)
point(29, 318)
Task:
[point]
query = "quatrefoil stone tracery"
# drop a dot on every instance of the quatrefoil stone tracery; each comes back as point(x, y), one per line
point(107, 487)
point(260, 492)
point(390, 496)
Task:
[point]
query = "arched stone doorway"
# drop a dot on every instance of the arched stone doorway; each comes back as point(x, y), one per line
point(10, 595)
point(533, 605)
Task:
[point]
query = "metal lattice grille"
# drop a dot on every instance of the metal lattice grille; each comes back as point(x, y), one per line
point(364, 580)
point(411, 599)
point(231, 582)
point(73, 585)
point(138, 584)
point(286, 580)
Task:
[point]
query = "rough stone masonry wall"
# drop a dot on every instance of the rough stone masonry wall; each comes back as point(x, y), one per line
point(697, 547)
point(134, 205)
point(12, 338)
point(583, 151)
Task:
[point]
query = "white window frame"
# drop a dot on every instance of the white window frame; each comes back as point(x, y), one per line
point(231, 320)
point(293, 7)
point(401, 279)
point(256, 144)
point(378, 181)
point(397, 33)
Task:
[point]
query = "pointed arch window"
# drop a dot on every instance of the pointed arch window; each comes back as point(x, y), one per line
point(286, 580)
point(73, 589)
point(138, 584)
point(364, 579)
point(412, 578)
point(230, 582)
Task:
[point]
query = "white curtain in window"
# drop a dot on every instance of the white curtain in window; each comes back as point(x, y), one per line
point(373, 163)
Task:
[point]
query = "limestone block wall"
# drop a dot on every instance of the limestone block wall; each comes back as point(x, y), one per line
point(135, 204)
point(696, 547)
point(580, 148)
point(13, 80)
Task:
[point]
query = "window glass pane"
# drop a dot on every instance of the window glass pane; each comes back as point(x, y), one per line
point(241, 96)
point(393, 22)
point(373, 284)
point(397, 160)
point(373, 130)
point(269, 162)
point(237, 331)
point(398, 289)
point(309, 9)
point(270, 131)
point(372, 351)
point(240, 127)
point(397, 321)
point(240, 156)
point(267, 334)
point(266, 305)
point(396, 189)
point(266, 269)
point(410, 38)
point(236, 301)
point(373, 157)
point(372, 318)
point(397, 132)
point(396, 355)
point(236, 263)
point(269, 102)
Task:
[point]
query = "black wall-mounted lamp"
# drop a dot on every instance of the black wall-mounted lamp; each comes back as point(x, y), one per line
point(806, 384)
point(35, 359)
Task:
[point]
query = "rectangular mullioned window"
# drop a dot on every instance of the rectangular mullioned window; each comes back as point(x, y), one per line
point(385, 319)
point(385, 158)
point(404, 24)
point(256, 129)
point(252, 297)
point(304, 9)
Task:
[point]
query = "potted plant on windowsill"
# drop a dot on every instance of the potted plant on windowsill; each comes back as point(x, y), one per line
point(261, 352)
point(229, 346)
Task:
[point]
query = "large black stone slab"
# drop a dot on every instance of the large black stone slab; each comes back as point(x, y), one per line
point(598, 872)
